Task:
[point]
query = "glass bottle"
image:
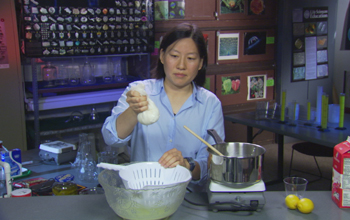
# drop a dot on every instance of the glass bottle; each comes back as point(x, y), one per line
point(87, 76)
point(49, 74)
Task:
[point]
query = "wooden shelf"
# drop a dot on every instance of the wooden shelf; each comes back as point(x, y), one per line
point(214, 25)
point(240, 67)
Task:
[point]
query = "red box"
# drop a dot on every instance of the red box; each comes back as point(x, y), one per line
point(341, 174)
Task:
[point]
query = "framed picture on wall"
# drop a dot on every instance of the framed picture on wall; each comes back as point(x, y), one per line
point(235, 46)
point(233, 88)
point(310, 44)
point(228, 46)
point(256, 87)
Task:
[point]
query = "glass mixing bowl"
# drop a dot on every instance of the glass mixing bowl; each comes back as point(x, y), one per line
point(147, 203)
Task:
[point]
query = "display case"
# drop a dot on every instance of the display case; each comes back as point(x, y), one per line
point(53, 28)
point(61, 92)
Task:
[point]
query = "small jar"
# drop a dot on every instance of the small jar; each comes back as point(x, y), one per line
point(64, 185)
point(49, 74)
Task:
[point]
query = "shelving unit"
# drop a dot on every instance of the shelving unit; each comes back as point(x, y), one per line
point(64, 97)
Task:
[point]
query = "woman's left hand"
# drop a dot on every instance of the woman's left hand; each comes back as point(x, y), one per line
point(171, 158)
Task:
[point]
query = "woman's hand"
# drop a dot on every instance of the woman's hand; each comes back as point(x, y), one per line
point(126, 122)
point(172, 158)
point(136, 102)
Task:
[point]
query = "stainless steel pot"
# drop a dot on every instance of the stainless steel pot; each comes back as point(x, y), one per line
point(241, 165)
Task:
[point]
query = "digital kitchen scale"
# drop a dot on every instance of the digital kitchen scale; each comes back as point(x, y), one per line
point(58, 152)
point(223, 198)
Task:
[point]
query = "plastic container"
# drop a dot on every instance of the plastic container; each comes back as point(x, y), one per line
point(64, 185)
point(25, 192)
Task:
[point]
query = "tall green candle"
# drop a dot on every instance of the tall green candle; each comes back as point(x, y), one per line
point(341, 109)
point(283, 105)
point(324, 113)
point(308, 111)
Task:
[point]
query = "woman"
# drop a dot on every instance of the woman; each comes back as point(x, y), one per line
point(178, 92)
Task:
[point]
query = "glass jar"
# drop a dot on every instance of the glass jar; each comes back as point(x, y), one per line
point(49, 74)
point(64, 185)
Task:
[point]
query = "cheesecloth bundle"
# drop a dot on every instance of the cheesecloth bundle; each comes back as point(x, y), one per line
point(151, 115)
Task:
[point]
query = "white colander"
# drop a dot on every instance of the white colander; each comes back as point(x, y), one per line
point(149, 174)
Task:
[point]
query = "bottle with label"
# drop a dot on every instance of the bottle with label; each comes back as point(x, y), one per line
point(49, 74)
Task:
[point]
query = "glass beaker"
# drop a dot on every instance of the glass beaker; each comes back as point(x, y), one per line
point(87, 76)
point(107, 76)
point(85, 163)
point(117, 70)
point(62, 76)
point(49, 74)
point(74, 76)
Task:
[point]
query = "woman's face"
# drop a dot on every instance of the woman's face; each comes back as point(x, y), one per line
point(181, 62)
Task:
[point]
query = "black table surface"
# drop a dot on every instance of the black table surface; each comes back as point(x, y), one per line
point(311, 133)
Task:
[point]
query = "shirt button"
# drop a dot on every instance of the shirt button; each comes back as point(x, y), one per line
point(171, 140)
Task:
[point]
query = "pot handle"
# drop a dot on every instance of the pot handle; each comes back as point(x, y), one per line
point(215, 135)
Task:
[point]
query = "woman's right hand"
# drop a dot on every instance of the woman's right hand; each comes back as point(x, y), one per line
point(136, 102)
point(126, 122)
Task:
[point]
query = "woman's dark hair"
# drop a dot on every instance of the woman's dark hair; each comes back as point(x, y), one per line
point(181, 31)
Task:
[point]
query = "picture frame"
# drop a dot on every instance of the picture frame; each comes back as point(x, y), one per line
point(228, 46)
point(256, 87)
point(264, 50)
point(238, 94)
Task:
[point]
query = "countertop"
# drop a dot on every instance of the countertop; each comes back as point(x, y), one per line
point(96, 207)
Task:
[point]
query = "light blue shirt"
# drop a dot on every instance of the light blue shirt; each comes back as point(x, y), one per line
point(201, 111)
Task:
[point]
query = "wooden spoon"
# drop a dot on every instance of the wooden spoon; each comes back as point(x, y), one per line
point(206, 143)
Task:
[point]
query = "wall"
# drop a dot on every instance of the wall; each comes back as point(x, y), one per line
point(341, 57)
point(12, 123)
point(304, 90)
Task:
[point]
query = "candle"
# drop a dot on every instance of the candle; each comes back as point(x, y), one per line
point(283, 105)
point(319, 104)
point(341, 109)
point(324, 115)
point(308, 111)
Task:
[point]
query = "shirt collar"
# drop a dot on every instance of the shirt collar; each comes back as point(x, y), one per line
point(158, 87)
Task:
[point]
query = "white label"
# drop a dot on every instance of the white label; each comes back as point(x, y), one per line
point(346, 166)
point(346, 198)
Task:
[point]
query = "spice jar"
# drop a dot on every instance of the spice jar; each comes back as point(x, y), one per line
point(64, 185)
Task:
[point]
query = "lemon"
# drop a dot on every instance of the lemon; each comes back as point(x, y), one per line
point(292, 201)
point(305, 205)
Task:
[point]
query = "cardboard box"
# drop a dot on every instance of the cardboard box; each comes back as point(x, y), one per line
point(341, 174)
point(14, 159)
